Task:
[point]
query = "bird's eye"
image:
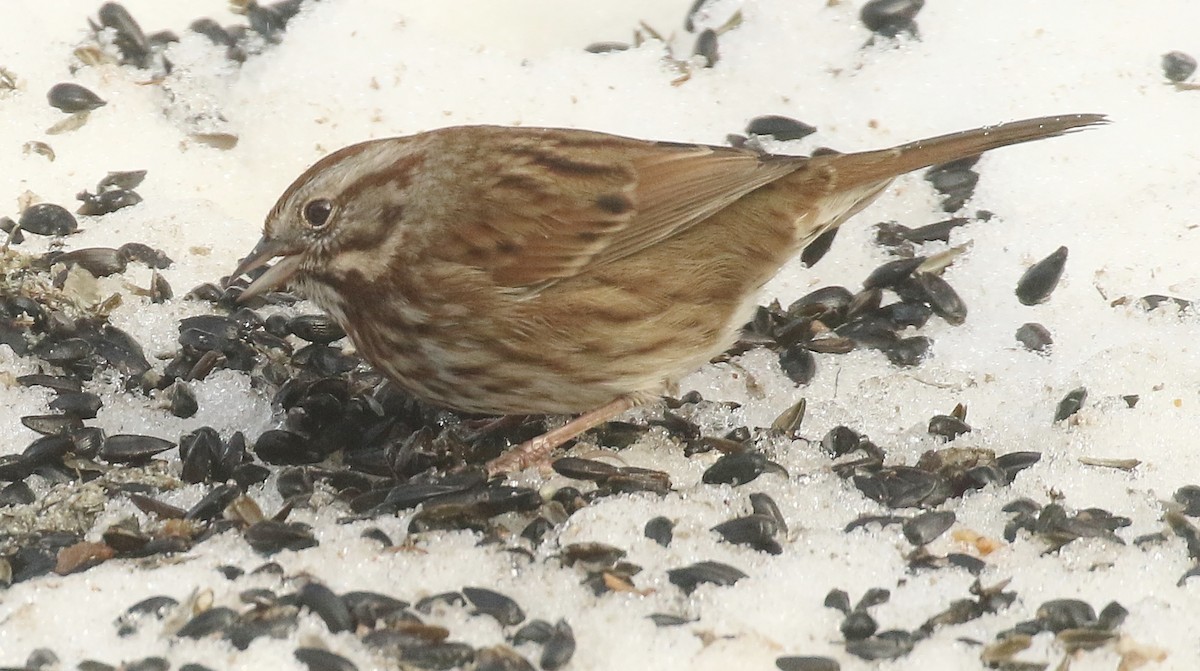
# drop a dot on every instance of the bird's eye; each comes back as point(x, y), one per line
point(316, 212)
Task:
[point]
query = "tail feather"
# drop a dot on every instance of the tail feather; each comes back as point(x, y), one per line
point(851, 170)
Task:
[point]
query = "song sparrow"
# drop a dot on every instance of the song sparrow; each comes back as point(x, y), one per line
point(543, 270)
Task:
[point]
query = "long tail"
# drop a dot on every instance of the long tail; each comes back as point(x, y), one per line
point(851, 170)
point(838, 186)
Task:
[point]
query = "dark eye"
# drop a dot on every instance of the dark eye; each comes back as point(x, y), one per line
point(316, 212)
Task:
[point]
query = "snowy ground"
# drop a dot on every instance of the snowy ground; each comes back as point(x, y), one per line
point(1122, 198)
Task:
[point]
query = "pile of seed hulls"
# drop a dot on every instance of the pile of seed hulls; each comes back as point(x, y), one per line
point(347, 433)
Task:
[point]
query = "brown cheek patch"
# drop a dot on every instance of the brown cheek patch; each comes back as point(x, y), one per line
point(348, 282)
point(364, 236)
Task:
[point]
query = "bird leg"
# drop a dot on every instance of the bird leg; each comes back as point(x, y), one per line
point(536, 450)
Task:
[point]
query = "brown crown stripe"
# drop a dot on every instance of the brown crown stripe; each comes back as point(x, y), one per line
point(397, 176)
point(314, 170)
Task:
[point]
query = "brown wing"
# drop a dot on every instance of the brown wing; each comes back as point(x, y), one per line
point(564, 200)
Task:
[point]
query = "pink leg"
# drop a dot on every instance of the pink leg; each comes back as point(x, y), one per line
point(538, 449)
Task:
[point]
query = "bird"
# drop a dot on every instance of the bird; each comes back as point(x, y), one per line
point(554, 271)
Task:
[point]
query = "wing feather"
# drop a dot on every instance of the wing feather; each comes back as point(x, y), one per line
point(563, 201)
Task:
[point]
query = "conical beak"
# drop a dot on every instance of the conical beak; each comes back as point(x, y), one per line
point(276, 276)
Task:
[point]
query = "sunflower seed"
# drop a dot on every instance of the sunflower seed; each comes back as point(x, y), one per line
point(1070, 404)
point(317, 659)
point(779, 127)
point(1034, 337)
point(926, 527)
point(48, 219)
point(70, 97)
point(1038, 282)
point(890, 17)
point(559, 648)
point(706, 47)
point(807, 664)
point(129, 448)
point(690, 577)
point(816, 250)
point(1178, 66)
point(489, 602)
point(660, 530)
point(332, 610)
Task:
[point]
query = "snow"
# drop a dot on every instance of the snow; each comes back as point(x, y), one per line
point(1121, 197)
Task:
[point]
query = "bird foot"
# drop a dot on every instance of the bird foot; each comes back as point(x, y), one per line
point(537, 451)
